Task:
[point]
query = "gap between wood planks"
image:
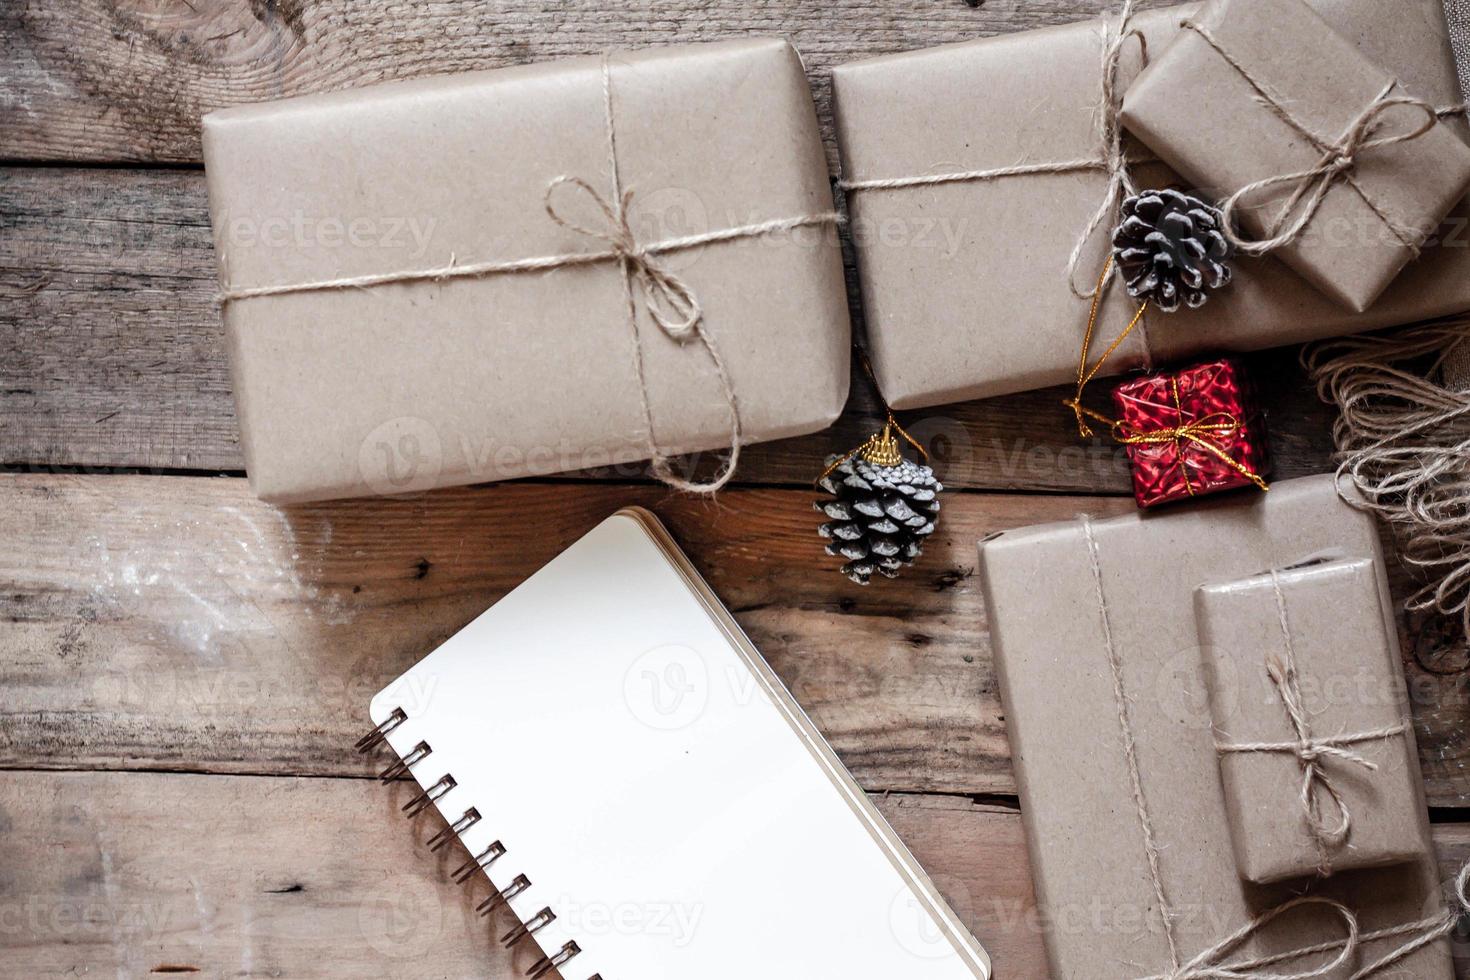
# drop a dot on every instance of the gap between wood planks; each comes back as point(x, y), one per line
point(336, 883)
point(108, 82)
point(178, 623)
point(142, 873)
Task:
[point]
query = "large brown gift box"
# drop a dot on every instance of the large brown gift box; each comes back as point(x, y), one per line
point(1099, 617)
point(965, 285)
point(1302, 661)
point(1259, 90)
point(447, 379)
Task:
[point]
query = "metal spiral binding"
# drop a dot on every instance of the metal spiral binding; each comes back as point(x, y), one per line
point(517, 885)
point(375, 737)
point(546, 964)
point(429, 796)
point(451, 832)
point(479, 862)
point(530, 927)
point(403, 765)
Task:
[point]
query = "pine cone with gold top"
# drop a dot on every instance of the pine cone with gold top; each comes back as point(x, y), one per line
point(878, 515)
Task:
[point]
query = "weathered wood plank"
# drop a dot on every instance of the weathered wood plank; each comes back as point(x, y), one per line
point(178, 623)
point(160, 622)
point(323, 878)
point(103, 80)
point(111, 355)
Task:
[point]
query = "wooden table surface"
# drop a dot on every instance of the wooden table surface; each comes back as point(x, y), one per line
point(183, 669)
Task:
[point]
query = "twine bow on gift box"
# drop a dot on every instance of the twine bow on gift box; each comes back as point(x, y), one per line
point(670, 302)
point(1213, 963)
point(662, 290)
point(1338, 162)
point(1310, 750)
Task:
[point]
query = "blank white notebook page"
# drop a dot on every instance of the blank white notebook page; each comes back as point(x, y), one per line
point(666, 799)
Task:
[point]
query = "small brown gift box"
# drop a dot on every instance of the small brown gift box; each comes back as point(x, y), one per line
point(538, 365)
point(1256, 91)
point(1308, 696)
point(965, 284)
point(1093, 628)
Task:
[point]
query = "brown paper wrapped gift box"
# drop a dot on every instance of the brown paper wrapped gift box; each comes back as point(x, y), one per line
point(1317, 632)
point(1060, 597)
point(982, 305)
point(1281, 85)
point(411, 385)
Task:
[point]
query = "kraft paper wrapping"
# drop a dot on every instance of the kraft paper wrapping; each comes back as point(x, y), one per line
point(1349, 682)
point(1206, 118)
point(408, 386)
point(1045, 599)
point(964, 285)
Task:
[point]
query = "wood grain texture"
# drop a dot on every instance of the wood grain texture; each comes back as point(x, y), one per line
point(111, 354)
point(176, 623)
point(122, 80)
point(157, 622)
point(154, 623)
point(144, 874)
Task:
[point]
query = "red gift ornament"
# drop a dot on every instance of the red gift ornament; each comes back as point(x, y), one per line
point(1190, 433)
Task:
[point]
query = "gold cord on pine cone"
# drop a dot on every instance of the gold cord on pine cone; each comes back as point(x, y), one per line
point(880, 448)
point(1203, 433)
point(1086, 374)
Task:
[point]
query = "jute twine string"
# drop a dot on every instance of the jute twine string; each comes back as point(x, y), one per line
point(1130, 747)
point(1403, 440)
point(1317, 790)
point(1211, 963)
point(1111, 158)
point(1338, 162)
point(670, 302)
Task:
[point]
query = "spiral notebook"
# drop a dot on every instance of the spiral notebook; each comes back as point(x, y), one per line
point(644, 795)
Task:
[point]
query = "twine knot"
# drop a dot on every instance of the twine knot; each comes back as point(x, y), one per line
point(1212, 963)
point(1337, 163)
point(1324, 811)
point(1312, 750)
point(670, 301)
point(1342, 162)
point(1307, 752)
